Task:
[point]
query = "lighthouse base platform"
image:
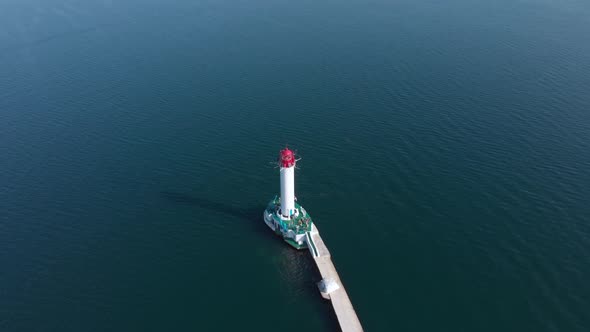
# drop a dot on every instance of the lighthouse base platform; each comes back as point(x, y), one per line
point(293, 229)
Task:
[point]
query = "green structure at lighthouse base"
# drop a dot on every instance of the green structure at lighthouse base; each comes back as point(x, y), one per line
point(293, 229)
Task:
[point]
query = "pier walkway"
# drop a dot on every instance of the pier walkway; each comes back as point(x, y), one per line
point(331, 287)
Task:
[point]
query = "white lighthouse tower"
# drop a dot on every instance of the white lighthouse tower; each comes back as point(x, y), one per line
point(287, 163)
point(284, 214)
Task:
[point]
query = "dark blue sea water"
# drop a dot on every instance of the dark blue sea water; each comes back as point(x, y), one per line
point(445, 146)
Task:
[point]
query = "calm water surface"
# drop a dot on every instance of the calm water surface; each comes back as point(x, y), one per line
point(445, 145)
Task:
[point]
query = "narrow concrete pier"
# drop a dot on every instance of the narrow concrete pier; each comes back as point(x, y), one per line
point(331, 287)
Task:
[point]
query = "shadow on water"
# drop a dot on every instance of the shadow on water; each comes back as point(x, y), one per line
point(253, 214)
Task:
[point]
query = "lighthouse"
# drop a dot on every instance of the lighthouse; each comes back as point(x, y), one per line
point(287, 164)
point(283, 214)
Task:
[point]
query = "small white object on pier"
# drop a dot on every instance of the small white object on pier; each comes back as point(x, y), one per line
point(331, 287)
